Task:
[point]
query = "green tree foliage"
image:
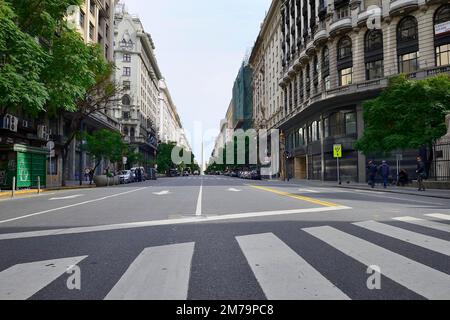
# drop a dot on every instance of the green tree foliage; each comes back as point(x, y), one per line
point(164, 158)
point(407, 115)
point(135, 158)
point(105, 144)
point(22, 60)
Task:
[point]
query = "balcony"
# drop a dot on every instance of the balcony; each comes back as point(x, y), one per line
point(340, 25)
point(400, 6)
point(321, 34)
point(356, 91)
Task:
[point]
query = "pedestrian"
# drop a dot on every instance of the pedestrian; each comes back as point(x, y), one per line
point(91, 176)
point(421, 173)
point(372, 169)
point(86, 174)
point(384, 172)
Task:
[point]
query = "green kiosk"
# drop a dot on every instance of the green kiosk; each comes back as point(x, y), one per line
point(23, 162)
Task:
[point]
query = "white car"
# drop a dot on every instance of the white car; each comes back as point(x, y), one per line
point(125, 176)
point(196, 173)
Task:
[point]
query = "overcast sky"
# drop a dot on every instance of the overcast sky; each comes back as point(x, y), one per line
point(200, 45)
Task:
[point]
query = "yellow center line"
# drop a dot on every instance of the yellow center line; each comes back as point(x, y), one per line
point(294, 196)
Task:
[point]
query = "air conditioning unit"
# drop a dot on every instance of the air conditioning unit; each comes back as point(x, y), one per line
point(43, 133)
point(9, 122)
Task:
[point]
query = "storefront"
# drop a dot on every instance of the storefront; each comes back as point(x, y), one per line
point(28, 165)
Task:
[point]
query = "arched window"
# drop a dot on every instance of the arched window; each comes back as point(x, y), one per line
point(408, 45)
point(344, 48)
point(326, 68)
point(373, 54)
point(442, 35)
point(345, 61)
point(126, 101)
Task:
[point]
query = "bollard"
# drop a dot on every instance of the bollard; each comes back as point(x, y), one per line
point(13, 187)
point(39, 185)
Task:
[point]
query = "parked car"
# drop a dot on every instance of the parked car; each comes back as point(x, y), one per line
point(255, 175)
point(125, 176)
point(196, 173)
point(173, 173)
point(233, 174)
point(185, 173)
point(135, 174)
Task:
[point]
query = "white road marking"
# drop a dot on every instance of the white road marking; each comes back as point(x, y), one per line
point(439, 216)
point(133, 225)
point(282, 273)
point(308, 190)
point(71, 206)
point(427, 242)
point(426, 281)
point(162, 193)
point(234, 190)
point(198, 211)
point(159, 273)
point(22, 281)
point(425, 223)
point(66, 198)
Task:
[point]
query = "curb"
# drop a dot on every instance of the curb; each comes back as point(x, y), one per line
point(7, 194)
point(397, 192)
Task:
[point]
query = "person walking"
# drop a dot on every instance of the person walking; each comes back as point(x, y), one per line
point(384, 172)
point(86, 174)
point(372, 169)
point(91, 176)
point(421, 173)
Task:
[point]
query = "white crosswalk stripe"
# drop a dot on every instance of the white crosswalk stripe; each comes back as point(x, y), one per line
point(427, 242)
point(424, 223)
point(282, 274)
point(439, 216)
point(22, 281)
point(159, 273)
point(425, 281)
point(164, 272)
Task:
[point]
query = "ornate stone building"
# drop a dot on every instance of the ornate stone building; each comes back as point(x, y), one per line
point(334, 56)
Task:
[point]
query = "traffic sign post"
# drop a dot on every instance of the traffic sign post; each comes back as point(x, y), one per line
point(337, 153)
point(51, 148)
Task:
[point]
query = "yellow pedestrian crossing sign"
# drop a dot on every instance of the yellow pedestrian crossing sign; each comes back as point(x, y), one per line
point(337, 150)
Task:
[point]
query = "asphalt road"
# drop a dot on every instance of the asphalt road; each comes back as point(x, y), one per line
point(207, 238)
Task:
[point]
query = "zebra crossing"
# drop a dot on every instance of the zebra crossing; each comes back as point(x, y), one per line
point(164, 272)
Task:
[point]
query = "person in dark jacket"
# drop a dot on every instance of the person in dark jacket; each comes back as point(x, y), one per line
point(403, 178)
point(372, 169)
point(384, 172)
point(421, 173)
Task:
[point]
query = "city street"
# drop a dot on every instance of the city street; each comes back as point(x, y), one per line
point(216, 237)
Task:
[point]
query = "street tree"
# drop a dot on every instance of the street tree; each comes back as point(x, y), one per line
point(22, 60)
point(105, 144)
point(164, 157)
point(407, 115)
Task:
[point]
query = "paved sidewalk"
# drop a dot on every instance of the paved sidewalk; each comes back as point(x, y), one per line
point(433, 193)
point(70, 185)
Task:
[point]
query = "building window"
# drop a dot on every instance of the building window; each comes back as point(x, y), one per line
point(92, 7)
point(345, 61)
point(374, 70)
point(126, 85)
point(91, 31)
point(126, 57)
point(126, 116)
point(408, 62)
point(82, 18)
point(326, 127)
point(373, 54)
point(127, 71)
point(327, 83)
point(408, 45)
point(350, 123)
point(443, 55)
point(345, 48)
point(325, 62)
point(345, 76)
point(126, 101)
point(442, 35)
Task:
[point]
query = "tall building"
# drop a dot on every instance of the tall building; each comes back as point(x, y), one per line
point(95, 21)
point(138, 74)
point(170, 126)
point(334, 56)
point(265, 61)
point(242, 98)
